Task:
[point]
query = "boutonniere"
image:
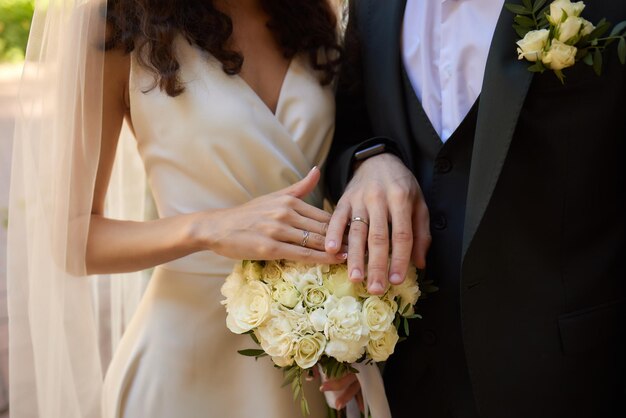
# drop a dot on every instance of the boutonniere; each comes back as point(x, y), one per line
point(555, 36)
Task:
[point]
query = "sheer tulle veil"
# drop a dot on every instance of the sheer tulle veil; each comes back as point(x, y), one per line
point(64, 324)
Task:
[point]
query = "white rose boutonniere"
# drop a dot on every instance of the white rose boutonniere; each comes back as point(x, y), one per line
point(554, 36)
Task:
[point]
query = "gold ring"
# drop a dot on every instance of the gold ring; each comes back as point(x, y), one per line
point(359, 219)
point(305, 237)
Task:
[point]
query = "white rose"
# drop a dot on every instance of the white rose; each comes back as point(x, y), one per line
point(338, 283)
point(308, 349)
point(314, 296)
point(301, 279)
point(233, 284)
point(568, 30)
point(252, 270)
point(559, 56)
point(275, 337)
point(272, 273)
point(532, 46)
point(588, 27)
point(344, 320)
point(345, 350)
point(249, 308)
point(378, 315)
point(381, 348)
point(286, 294)
point(559, 6)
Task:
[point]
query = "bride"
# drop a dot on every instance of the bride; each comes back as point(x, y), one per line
point(231, 106)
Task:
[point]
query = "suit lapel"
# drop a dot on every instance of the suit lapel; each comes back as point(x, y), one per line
point(382, 66)
point(504, 89)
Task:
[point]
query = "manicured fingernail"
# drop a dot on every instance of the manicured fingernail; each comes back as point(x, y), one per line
point(342, 256)
point(376, 287)
point(356, 274)
point(331, 244)
point(395, 278)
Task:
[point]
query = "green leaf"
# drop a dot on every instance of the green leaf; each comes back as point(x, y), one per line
point(521, 31)
point(621, 50)
point(617, 29)
point(588, 59)
point(537, 67)
point(251, 352)
point(601, 28)
point(518, 9)
point(525, 22)
point(538, 5)
point(559, 74)
point(597, 62)
point(528, 4)
point(406, 327)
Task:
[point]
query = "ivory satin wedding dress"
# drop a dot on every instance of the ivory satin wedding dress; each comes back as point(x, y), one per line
point(216, 145)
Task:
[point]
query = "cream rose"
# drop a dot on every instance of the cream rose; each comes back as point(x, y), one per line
point(286, 294)
point(252, 270)
point(338, 283)
point(558, 7)
point(277, 340)
point(314, 296)
point(588, 27)
point(308, 349)
point(559, 56)
point(569, 30)
point(378, 315)
point(408, 292)
point(249, 308)
point(233, 284)
point(532, 46)
point(380, 349)
point(272, 272)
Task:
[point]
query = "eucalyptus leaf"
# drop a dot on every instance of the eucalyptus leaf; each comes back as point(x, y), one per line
point(621, 50)
point(525, 22)
point(619, 28)
point(597, 62)
point(602, 27)
point(521, 31)
point(538, 5)
point(252, 352)
point(518, 9)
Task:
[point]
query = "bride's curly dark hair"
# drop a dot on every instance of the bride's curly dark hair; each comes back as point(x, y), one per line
point(150, 26)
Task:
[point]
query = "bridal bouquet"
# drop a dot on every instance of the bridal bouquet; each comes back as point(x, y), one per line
point(302, 315)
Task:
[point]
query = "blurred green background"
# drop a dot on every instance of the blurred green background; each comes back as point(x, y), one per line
point(15, 16)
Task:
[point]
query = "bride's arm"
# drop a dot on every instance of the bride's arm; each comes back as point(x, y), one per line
point(269, 227)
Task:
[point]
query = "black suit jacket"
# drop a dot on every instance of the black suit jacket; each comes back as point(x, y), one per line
point(543, 279)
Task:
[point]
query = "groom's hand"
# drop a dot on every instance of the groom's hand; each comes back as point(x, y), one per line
point(382, 193)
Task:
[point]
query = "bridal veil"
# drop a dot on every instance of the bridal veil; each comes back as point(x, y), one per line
point(64, 324)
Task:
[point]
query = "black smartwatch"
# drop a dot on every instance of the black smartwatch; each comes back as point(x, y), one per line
point(370, 151)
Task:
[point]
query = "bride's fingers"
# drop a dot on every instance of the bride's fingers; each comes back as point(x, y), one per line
point(308, 224)
point(309, 211)
point(338, 384)
point(282, 250)
point(304, 186)
point(305, 238)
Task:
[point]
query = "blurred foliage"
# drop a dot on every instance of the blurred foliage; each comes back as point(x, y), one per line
point(15, 17)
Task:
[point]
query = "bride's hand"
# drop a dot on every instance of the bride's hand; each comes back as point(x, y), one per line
point(279, 225)
point(347, 387)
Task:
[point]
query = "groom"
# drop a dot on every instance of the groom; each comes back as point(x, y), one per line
point(524, 179)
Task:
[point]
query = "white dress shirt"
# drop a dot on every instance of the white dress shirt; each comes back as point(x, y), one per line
point(444, 50)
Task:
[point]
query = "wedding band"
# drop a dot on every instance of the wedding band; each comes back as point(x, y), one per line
point(359, 219)
point(305, 237)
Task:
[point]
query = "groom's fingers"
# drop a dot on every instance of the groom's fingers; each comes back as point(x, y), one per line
point(348, 394)
point(401, 241)
point(378, 248)
point(421, 234)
